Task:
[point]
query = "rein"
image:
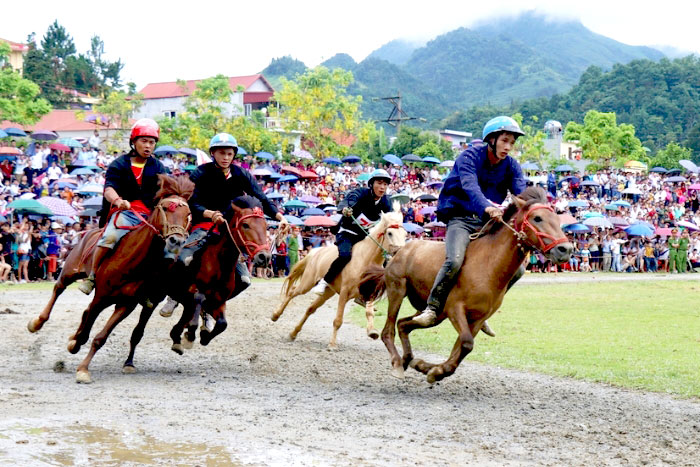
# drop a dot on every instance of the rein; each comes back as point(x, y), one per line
point(168, 229)
point(250, 248)
point(385, 253)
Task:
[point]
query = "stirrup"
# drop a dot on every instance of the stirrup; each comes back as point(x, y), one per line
point(87, 285)
point(426, 318)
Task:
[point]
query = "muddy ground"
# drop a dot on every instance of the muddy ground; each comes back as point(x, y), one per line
point(252, 397)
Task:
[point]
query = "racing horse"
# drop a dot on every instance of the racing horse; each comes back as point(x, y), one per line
point(212, 279)
point(491, 261)
point(129, 276)
point(388, 234)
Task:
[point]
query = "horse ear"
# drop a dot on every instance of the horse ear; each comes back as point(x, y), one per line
point(396, 206)
point(519, 201)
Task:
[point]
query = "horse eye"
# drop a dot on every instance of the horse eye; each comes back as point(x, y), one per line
point(538, 219)
point(246, 226)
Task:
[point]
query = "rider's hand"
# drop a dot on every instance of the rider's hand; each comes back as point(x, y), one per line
point(123, 205)
point(283, 222)
point(347, 212)
point(217, 218)
point(494, 212)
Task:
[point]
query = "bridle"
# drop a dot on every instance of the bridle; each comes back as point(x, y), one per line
point(525, 224)
point(381, 238)
point(250, 248)
point(167, 230)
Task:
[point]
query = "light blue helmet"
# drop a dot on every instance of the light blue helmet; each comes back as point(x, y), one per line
point(223, 140)
point(379, 174)
point(501, 123)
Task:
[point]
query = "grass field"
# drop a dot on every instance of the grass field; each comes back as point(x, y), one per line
point(643, 335)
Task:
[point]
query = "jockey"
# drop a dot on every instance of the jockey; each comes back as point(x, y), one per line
point(216, 184)
point(131, 184)
point(482, 175)
point(365, 204)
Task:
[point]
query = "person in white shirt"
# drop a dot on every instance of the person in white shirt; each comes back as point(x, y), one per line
point(54, 172)
point(94, 141)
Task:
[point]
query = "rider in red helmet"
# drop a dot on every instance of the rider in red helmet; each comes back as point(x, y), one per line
point(131, 184)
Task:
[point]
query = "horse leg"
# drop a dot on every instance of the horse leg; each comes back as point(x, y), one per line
point(405, 326)
point(136, 335)
point(309, 311)
point(369, 314)
point(82, 374)
point(338, 321)
point(280, 309)
point(396, 294)
point(176, 332)
point(463, 345)
point(205, 336)
point(37, 323)
point(82, 334)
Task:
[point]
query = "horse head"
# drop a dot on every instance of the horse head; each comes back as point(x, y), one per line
point(538, 225)
point(390, 231)
point(171, 216)
point(248, 228)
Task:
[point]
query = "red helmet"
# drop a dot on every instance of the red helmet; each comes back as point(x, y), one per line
point(145, 127)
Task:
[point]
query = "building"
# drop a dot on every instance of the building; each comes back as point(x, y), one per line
point(250, 93)
point(555, 146)
point(456, 138)
point(17, 53)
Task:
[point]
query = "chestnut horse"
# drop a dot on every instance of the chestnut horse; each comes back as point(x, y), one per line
point(210, 281)
point(129, 275)
point(387, 233)
point(490, 263)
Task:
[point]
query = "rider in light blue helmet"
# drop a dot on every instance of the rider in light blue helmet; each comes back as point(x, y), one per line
point(479, 182)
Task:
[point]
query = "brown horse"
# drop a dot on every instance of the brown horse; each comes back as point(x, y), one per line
point(388, 233)
point(214, 279)
point(490, 263)
point(129, 275)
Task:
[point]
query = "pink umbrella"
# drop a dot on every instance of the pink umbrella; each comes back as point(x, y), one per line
point(59, 147)
point(694, 186)
point(567, 219)
point(663, 231)
point(688, 225)
point(58, 206)
point(319, 221)
point(619, 222)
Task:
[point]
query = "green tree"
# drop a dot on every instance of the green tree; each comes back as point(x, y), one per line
point(19, 97)
point(318, 104)
point(531, 145)
point(118, 107)
point(670, 155)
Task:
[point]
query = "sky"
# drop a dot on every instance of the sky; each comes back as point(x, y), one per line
point(164, 41)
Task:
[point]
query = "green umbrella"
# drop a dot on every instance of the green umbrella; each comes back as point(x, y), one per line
point(295, 203)
point(401, 198)
point(30, 206)
point(363, 177)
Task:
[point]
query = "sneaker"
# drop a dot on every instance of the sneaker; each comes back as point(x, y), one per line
point(22, 281)
point(426, 318)
point(320, 288)
point(167, 310)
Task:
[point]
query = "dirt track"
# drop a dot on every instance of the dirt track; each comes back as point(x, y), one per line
point(252, 397)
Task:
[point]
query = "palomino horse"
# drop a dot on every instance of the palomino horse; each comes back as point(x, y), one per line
point(387, 234)
point(491, 261)
point(214, 279)
point(126, 279)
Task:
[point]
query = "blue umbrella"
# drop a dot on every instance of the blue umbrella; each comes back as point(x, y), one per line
point(294, 220)
point(413, 228)
point(577, 203)
point(410, 158)
point(621, 203)
point(188, 152)
point(161, 150)
point(576, 228)
point(242, 151)
point(82, 171)
point(71, 143)
point(529, 166)
point(351, 159)
point(3, 134)
point(612, 207)
point(313, 212)
point(94, 202)
point(589, 183)
point(288, 178)
point(660, 170)
point(64, 184)
point(275, 195)
point(264, 155)
point(12, 131)
point(392, 158)
point(431, 160)
point(588, 215)
point(332, 160)
point(275, 175)
point(564, 168)
point(639, 230)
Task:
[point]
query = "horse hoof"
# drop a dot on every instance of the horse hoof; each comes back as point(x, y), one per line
point(291, 337)
point(33, 325)
point(128, 369)
point(83, 377)
point(274, 317)
point(398, 373)
point(374, 334)
point(333, 347)
point(414, 363)
point(178, 349)
point(73, 346)
point(187, 344)
point(430, 379)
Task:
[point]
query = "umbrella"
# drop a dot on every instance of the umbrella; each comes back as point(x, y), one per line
point(576, 228)
point(3, 134)
point(578, 203)
point(401, 198)
point(675, 179)
point(44, 135)
point(694, 186)
point(660, 170)
point(30, 206)
point(529, 166)
point(410, 158)
point(27, 196)
point(261, 172)
point(302, 154)
point(10, 150)
point(274, 195)
point(567, 219)
point(436, 184)
point(88, 213)
point(308, 174)
point(689, 165)
point(241, 151)
point(190, 167)
point(673, 171)
point(294, 220)
point(612, 207)
point(619, 221)
point(12, 131)
point(428, 210)
point(190, 151)
point(435, 224)
point(97, 119)
point(589, 214)
point(687, 225)
point(413, 228)
point(319, 221)
point(427, 198)
point(589, 183)
point(59, 147)
point(64, 182)
point(71, 142)
point(351, 159)
point(622, 203)
point(363, 177)
point(564, 168)
point(91, 188)
point(392, 158)
point(292, 170)
point(264, 155)
point(663, 231)
point(94, 202)
point(295, 203)
point(639, 230)
point(632, 191)
point(311, 199)
point(447, 164)
point(332, 160)
point(431, 160)
point(161, 150)
point(288, 178)
point(58, 206)
point(598, 222)
point(330, 208)
point(82, 171)
point(635, 165)
point(313, 212)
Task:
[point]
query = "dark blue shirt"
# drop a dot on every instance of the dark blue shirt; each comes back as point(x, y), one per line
point(474, 181)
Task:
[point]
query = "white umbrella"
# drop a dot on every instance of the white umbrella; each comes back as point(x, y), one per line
point(598, 222)
point(632, 191)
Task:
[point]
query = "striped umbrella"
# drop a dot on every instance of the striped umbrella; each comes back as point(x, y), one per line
point(58, 206)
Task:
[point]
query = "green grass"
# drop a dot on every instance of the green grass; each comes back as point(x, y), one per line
point(643, 335)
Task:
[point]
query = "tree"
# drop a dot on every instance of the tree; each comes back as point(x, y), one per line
point(531, 145)
point(669, 156)
point(19, 101)
point(317, 102)
point(118, 107)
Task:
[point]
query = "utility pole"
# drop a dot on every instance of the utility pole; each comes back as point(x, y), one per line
point(397, 115)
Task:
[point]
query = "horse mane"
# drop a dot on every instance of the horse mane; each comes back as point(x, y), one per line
point(387, 219)
point(174, 186)
point(247, 202)
point(531, 195)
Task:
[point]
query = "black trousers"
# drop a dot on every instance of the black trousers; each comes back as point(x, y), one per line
point(344, 242)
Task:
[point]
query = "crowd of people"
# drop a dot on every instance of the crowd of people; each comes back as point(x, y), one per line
point(32, 248)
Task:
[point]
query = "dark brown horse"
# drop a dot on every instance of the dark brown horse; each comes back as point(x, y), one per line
point(490, 263)
point(129, 275)
point(213, 279)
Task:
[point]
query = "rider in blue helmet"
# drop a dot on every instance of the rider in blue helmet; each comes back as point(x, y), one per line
point(479, 182)
point(369, 202)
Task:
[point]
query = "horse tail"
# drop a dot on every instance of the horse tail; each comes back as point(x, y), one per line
point(294, 276)
point(372, 283)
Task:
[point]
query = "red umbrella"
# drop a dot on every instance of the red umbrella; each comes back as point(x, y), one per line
point(319, 221)
point(10, 150)
point(567, 219)
point(59, 147)
point(292, 170)
point(308, 174)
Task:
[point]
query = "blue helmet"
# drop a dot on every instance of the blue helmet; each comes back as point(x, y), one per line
point(223, 140)
point(499, 124)
point(379, 174)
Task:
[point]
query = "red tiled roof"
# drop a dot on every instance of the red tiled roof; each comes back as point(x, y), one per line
point(15, 46)
point(58, 121)
point(172, 89)
point(254, 97)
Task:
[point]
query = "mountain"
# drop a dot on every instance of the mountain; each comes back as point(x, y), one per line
point(286, 66)
point(343, 61)
point(397, 51)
